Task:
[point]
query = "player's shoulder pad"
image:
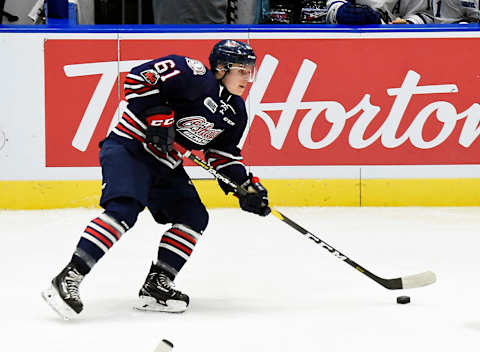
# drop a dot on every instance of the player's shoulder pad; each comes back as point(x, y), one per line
point(196, 78)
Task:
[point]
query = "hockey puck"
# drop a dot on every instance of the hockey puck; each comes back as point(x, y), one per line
point(164, 346)
point(403, 299)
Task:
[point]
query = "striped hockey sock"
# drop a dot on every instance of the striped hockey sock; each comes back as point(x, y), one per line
point(175, 248)
point(98, 237)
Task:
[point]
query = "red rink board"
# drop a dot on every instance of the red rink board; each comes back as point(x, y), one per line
point(395, 101)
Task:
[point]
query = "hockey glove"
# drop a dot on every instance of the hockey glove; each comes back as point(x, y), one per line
point(256, 200)
point(160, 128)
point(357, 15)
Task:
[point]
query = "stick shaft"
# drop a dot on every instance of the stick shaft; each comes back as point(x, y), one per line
point(412, 281)
point(188, 154)
point(396, 283)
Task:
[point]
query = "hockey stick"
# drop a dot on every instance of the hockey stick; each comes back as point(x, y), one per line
point(409, 281)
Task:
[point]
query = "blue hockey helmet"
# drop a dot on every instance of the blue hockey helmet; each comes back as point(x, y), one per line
point(228, 52)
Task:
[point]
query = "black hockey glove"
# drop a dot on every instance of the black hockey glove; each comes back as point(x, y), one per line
point(256, 200)
point(160, 127)
point(357, 15)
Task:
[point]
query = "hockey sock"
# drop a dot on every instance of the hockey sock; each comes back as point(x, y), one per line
point(98, 237)
point(102, 233)
point(175, 248)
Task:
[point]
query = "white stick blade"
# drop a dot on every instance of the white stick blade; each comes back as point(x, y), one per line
point(419, 280)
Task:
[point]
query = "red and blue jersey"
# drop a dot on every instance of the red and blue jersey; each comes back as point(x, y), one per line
point(207, 116)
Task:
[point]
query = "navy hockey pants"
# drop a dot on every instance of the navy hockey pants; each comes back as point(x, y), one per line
point(168, 194)
point(131, 182)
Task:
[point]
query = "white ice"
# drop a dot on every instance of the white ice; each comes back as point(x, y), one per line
point(255, 283)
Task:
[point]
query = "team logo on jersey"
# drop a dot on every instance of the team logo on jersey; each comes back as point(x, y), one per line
point(151, 76)
point(197, 67)
point(197, 129)
point(224, 107)
point(210, 104)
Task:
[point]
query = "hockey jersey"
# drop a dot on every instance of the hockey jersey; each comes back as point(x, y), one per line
point(207, 116)
point(413, 11)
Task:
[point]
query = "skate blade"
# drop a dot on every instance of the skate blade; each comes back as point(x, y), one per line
point(52, 297)
point(150, 304)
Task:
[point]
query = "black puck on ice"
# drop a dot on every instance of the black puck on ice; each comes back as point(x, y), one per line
point(403, 299)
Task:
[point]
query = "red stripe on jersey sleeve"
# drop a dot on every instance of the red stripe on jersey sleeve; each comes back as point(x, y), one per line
point(139, 90)
point(130, 133)
point(130, 80)
point(132, 122)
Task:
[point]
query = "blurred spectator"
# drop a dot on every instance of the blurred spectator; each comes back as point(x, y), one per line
point(264, 8)
point(456, 11)
point(180, 11)
point(27, 12)
point(8, 16)
point(248, 11)
point(289, 12)
point(190, 11)
point(86, 11)
point(363, 12)
point(15, 11)
point(59, 9)
point(280, 12)
point(313, 12)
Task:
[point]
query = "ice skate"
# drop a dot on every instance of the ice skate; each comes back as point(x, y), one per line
point(158, 294)
point(63, 294)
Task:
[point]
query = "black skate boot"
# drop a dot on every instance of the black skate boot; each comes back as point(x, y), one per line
point(158, 293)
point(63, 295)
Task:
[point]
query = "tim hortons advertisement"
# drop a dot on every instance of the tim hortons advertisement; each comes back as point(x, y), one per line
point(366, 101)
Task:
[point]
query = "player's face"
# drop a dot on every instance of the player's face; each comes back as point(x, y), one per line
point(237, 78)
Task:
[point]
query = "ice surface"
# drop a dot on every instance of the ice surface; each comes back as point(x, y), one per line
point(255, 284)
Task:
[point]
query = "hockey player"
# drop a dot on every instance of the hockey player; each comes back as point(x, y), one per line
point(172, 98)
point(456, 11)
point(364, 12)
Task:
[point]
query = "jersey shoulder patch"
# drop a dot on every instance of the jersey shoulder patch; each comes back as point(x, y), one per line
point(196, 66)
point(150, 76)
